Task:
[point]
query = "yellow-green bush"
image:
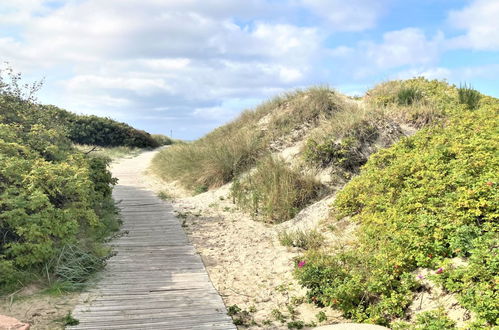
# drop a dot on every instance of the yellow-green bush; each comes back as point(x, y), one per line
point(429, 198)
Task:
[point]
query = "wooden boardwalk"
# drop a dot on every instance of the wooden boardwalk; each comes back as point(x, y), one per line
point(156, 280)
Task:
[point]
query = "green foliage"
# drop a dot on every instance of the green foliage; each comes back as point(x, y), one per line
point(345, 152)
point(69, 320)
point(409, 95)
point(310, 239)
point(296, 325)
point(321, 316)
point(429, 198)
point(275, 191)
point(106, 132)
point(432, 320)
point(162, 140)
point(418, 102)
point(55, 202)
point(469, 96)
point(240, 316)
point(74, 265)
point(17, 106)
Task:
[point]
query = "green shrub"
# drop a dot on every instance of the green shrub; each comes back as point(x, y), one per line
point(274, 191)
point(432, 320)
point(51, 197)
point(162, 140)
point(429, 198)
point(469, 96)
point(344, 151)
point(305, 239)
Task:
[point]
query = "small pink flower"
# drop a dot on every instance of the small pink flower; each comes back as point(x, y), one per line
point(301, 264)
point(440, 270)
point(490, 183)
point(421, 277)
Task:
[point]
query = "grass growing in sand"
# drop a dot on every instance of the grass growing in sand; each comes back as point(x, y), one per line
point(274, 191)
point(236, 147)
point(304, 239)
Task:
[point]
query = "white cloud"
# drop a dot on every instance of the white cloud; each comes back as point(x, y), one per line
point(404, 47)
point(354, 15)
point(135, 57)
point(480, 20)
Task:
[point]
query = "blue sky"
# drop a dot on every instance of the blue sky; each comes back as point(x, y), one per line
point(188, 66)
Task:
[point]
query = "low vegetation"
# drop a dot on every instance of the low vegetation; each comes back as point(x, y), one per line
point(274, 191)
point(304, 239)
point(469, 96)
point(232, 149)
point(79, 129)
point(428, 199)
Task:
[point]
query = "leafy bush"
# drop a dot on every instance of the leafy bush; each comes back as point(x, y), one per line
point(51, 197)
point(275, 191)
point(17, 106)
point(432, 320)
point(469, 96)
point(107, 133)
point(429, 198)
point(162, 140)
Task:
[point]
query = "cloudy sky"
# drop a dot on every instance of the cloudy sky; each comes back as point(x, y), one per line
point(188, 66)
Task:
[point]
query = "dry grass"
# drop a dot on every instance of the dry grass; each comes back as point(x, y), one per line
point(208, 162)
point(232, 149)
point(275, 192)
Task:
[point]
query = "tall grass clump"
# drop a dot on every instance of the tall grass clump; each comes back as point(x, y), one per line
point(409, 95)
point(275, 192)
point(417, 102)
point(469, 96)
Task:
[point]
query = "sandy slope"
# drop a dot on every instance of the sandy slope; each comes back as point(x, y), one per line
point(244, 259)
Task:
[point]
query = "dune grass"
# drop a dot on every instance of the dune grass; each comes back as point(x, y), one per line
point(275, 192)
point(234, 148)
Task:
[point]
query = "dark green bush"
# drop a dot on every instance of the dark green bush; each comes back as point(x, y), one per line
point(469, 96)
point(51, 197)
